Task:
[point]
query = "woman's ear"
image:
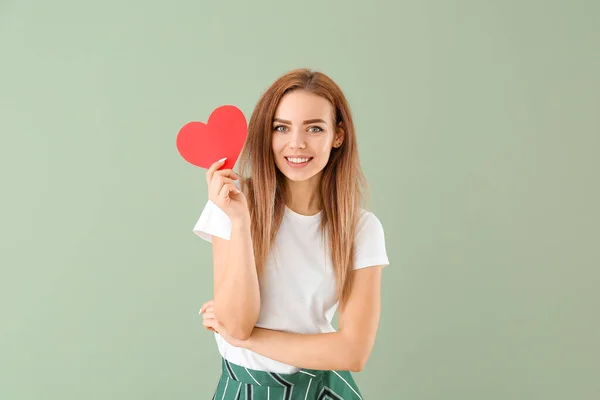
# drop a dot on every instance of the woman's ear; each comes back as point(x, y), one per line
point(340, 133)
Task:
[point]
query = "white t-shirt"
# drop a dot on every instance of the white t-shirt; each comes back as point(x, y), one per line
point(298, 289)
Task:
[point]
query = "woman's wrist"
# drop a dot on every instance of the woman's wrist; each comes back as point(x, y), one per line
point(240, 222)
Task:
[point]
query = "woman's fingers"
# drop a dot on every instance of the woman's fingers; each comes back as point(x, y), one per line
point(218, 183)
point(226, 189)
point(213, 168)
point(209, 304)
point(209, 324)
point(208, 315)
point(213, 172)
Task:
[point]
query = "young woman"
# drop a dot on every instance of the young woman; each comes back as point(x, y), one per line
point(292, 244)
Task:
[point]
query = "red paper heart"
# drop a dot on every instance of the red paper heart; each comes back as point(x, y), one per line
point(222, 136)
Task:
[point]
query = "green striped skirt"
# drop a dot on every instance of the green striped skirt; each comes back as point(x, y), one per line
point(240, 383)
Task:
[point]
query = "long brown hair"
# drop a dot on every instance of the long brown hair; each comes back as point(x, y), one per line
point(342, 187)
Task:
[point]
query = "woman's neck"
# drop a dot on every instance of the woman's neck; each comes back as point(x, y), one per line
point(303, 197)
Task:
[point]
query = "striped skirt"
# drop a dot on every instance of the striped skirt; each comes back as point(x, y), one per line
point(240, 383)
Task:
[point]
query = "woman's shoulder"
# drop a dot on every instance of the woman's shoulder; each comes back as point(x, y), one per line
point(368, 223)
point(370, 241)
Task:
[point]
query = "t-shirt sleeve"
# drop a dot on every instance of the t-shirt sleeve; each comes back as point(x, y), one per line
point(213, 222)
point(370, 246)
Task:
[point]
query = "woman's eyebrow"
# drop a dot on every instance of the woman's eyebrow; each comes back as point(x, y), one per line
point(308, 121)
point(312, 121)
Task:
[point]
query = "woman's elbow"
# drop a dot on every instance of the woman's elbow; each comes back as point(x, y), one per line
point(241, 330)
point(241, 334)
point(359, 362)
point(239, 325)
point(359, 356)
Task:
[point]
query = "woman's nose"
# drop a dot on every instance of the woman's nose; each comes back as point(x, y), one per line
point(297, 140)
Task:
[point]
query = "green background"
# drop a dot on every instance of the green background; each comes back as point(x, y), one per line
point(478, 126)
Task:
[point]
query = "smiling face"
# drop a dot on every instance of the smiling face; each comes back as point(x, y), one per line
point(303, 135)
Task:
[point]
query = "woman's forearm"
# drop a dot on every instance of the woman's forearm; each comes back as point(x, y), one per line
point(236, 287)
point(322, 351)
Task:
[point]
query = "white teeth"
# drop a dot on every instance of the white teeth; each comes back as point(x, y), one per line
point(298, 160)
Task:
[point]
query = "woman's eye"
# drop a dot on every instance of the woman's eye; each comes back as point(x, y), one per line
point(315, 129)
point(279, 128)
